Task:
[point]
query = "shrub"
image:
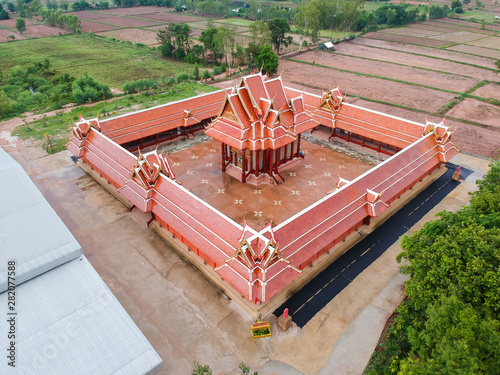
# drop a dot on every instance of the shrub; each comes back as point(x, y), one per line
point(181, 77)
point(86, 89)
point(139, 85)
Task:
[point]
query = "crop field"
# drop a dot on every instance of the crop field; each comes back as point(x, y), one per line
point(434, 69)
point(110, 62)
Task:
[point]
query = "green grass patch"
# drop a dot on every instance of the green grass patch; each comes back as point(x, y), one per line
point(478, 16)
point(110, 62)
point(58, 127)
point(236, 21)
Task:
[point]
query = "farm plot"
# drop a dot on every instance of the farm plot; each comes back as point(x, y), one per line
point(88, 15)
point(147, 37)
point(480, 51)
point(38, 31)
point(4, 33)
point(90, 26)
point(491, 91)
point(126, 21)
point(465, 24)
point(406, 39)
point(459, 37)
point(11, 22)
point(408, 31)
point(477, 111)
point(318, 78)
point(489, 42)
point(388, 69)
point(410, 53)
point(167, 17)
point(133, 10)
point(432, 27)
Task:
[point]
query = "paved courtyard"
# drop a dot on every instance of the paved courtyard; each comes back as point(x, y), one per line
point(306, 181)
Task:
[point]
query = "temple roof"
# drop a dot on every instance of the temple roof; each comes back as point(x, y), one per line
point(258, 115)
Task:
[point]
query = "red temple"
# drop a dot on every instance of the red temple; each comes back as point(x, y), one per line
point(259, 124)
point(259, 127)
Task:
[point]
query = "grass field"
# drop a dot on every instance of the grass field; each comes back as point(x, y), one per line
point(110, 62)
point(58, 127)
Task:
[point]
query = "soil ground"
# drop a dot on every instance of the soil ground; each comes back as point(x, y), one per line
point(489, 91)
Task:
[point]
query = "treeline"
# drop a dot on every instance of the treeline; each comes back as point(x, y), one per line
point(37, 86)
point(219, 46)
point(450, 322)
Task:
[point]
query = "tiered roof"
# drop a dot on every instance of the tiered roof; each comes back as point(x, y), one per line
point(258, 115)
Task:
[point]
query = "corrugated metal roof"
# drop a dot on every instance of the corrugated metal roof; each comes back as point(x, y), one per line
point(68, 321)
point(30, 230)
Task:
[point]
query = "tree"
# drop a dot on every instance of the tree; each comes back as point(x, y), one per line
point(224, 39)
point(390, 16)
point(5, 105)
point(449, 323)
point(259, 30)
point(278, 28)
point(208, 38)
point(307, 22)
point(267, 59)
point(4, 15)
point(350, 14)
point(455, 340)
point(20, 24)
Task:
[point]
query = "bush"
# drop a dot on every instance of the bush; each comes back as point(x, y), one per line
point(181, 77)
point(139, 85)
point(196, 72)
point(206, 74)
point(86, 89)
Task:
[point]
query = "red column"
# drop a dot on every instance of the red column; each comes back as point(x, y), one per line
point(243, 167)
point(223, 152)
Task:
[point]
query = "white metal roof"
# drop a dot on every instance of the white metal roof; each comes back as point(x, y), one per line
point(30, 230)
point(68, 321)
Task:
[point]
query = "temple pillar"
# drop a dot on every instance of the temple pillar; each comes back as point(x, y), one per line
point(223, 152)
point(243, 166)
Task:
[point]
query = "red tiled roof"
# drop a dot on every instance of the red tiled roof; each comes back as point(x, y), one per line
point(262, 109)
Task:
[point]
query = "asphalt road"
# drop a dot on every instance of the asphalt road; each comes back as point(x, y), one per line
point(304, 304)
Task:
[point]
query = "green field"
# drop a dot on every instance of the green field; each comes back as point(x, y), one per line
point(110, 62)
point(58, 127)
point(478, 16)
